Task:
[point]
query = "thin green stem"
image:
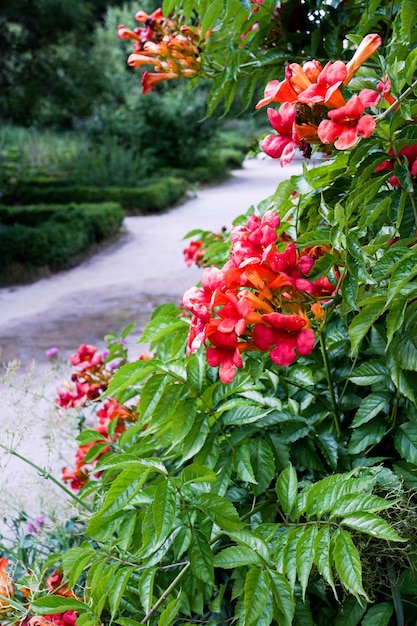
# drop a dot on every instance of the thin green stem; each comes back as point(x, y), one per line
point(47, 475)
point(330, 384)
point(186, 567)
point(166, 593)
point(315, 395)
point(395, 104)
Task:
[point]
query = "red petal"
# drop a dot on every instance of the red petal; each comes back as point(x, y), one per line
point(273, 145)
point(284, 353)
point(305, 342)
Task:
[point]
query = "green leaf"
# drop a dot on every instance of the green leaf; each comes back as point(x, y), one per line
point(145, 588)
point(201, 558)
point(196, 371)
point(367, 435)
point(244, 414)
point(304, 556)
point(124, 461)
point(378, 614)
point(219, 510)
point(236, 556)
point(196, 473)
point(249, 539)
point(411, 64)
point(395, 317)
point(402, 274)
point(159, 327)
point(353, 502)
point(329, 447)
point(75, 560)
point(90, 436)
point(404, 349)
point(350, 612)
point(58, 604)
point(256, 594)
point(408, 473)
point(123, 489)
point(405, 442)
point(363, 321)
point(371, 524)
point(127, 376)
point(164, 509)
point(243, 465)
point(211, 15)
point(196, 438)
point(323, 495)
point(322, 556)
point(118, 587)
point(290, 553)
point(283, 596)
point(371, 405)
point(287, 489)
point(168, 6)
point(263, 463)
point(170, 612)
point(347, 563)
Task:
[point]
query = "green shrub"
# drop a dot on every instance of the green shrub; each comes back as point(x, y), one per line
point(153, 197)
point(56, 240)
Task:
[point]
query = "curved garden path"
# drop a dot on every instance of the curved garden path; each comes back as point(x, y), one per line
point(122, 283)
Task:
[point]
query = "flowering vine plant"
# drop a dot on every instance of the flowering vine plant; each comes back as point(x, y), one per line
point(261, 466)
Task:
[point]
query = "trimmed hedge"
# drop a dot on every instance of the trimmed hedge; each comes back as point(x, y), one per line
point(152, 198)
point(54, 236)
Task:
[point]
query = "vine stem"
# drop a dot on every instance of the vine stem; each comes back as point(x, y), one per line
point(330, 383)
point(166, 593)
point(395, 104)
point(47, 475)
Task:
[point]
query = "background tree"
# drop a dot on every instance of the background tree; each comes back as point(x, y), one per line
point(48, 69)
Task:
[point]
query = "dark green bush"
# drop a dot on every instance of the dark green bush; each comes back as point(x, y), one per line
point(56, 241)
point(107, 217)
point(153, 197)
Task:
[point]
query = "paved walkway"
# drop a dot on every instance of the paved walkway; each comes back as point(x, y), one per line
point(121, 284)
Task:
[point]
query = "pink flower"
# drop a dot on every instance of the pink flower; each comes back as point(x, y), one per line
point(346, 125)
point(51, 353)
point(86, 356)
point(283, 144)
point(326, 89)
point(284, 336)
point(193, 253)
point(410, 153)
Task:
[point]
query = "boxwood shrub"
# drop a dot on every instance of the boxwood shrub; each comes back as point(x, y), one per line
point(151, 198)
point(54, 236)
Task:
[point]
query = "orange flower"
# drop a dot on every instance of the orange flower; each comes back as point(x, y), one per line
point(137, 60)
point(149, 80)
point(6, 584)
point(367, 47)
point(318, 311)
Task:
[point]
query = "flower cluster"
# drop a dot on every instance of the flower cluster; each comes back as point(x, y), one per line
point(89, 380)
point(172, 49)
point(6, 585)
point(314, 110)
point(261, 299)
point(194, 253)
point(91, 377)
point(54, 585)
